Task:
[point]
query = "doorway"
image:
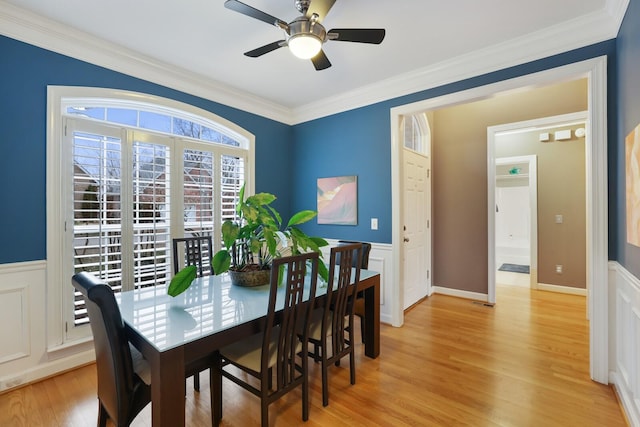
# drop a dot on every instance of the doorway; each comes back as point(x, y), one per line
point(595, 70)
point(516, 221)
point(529, 136)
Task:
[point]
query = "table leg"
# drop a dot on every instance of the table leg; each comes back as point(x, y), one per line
point(215, 378)
point(372, 318)
point(168, 389)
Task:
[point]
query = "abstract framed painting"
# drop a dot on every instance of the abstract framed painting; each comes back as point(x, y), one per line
point(632, 160)
point(338, 200)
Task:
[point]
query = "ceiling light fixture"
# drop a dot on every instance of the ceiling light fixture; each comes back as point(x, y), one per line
point(305, 46)
point(306, 37)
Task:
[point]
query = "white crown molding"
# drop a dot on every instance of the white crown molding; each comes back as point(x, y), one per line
point(573, 34)
point(617, 9)
point(31, 28)
point(36, 30)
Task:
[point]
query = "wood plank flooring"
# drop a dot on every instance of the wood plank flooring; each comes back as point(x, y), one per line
point(524, 362)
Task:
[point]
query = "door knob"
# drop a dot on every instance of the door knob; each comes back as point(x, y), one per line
point(406, 239)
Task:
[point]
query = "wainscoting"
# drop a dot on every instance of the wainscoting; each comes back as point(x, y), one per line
point(624, 339)
point(380, 260)
point(30, 349)
point(24, 356)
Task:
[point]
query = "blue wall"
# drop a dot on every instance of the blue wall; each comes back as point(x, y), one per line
point(25, 73)
point(628, 108)
point(355, 142)
point(358, 142)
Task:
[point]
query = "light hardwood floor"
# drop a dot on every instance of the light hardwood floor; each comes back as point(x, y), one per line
point(524, 362)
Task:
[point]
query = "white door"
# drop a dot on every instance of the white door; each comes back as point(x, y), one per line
point(417, 227)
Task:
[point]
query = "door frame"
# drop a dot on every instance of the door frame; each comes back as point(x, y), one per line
point(595, 70)
point(532, 162)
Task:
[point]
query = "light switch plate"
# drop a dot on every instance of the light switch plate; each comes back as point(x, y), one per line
point(374, 223)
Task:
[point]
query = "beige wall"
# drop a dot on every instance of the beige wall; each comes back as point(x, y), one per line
point(460, 175)
point(561, 191)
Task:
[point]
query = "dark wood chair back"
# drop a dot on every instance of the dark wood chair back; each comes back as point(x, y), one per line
point(121, 393)
point(277, 357)
point(197, 251)
point(366, 250)
point(337, 315)
point(298, 302)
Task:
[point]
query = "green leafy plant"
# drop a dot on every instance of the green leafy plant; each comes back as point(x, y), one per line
point(258, 236)
point(182, 280)
point(253, 240)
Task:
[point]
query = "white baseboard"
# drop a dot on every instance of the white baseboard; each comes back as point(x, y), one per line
point(460, 294)
point(47, 369)
point(626, 400)
point(483, 297)
point(562, 289)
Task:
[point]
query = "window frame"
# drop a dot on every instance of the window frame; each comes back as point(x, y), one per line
point(61, 333)
point(420, 123)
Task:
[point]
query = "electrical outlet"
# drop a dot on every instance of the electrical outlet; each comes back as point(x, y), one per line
point(374, 223)
point(559, 268)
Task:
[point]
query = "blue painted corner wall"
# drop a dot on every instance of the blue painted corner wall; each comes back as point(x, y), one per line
point(628, 117)
point(26, 71)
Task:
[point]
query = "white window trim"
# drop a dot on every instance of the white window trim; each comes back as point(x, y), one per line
point(56, 334)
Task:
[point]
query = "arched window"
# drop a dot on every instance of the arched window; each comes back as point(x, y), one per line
point(417, 133)
point(135, 172)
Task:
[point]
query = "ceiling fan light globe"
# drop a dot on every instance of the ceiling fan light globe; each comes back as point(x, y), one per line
point(304, 46)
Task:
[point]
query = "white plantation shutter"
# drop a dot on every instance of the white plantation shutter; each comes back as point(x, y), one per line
point(199, 192)
point(123, 207)
point(97, 221)
point(232, 173)
point(151, 206)
point(127, 173)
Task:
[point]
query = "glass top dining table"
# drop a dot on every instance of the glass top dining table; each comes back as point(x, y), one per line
point(173, 331)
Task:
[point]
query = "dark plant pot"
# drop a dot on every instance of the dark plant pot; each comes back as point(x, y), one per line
point(250, 278)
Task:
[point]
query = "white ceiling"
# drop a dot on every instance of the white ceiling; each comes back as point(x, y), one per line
point(198, 45)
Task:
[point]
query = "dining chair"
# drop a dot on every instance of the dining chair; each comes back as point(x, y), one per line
point(193, 251)
point(197, 251)
point(124, 376)
point(358, 308)
point(278, 350)
point(331, 331)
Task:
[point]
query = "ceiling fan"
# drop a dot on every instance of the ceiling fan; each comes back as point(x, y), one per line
point(305, 35)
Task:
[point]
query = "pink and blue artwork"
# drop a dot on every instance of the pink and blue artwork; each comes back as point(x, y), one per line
point(338, 200)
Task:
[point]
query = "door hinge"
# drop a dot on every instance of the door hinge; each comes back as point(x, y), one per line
point(428, 274)
point(65, 130)
point(66, 327)
point(428, 223)
point(428, 173)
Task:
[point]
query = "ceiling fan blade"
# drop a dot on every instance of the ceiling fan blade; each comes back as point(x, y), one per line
point(320, 8)
point(358, 35)
point(265, 49)
point(254, 13)
point(320, 61)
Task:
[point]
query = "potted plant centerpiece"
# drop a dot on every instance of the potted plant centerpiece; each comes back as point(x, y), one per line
point(257, 237)
point(251, 242)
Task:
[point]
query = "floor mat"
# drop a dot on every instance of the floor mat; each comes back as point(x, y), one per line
point(515, 268)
